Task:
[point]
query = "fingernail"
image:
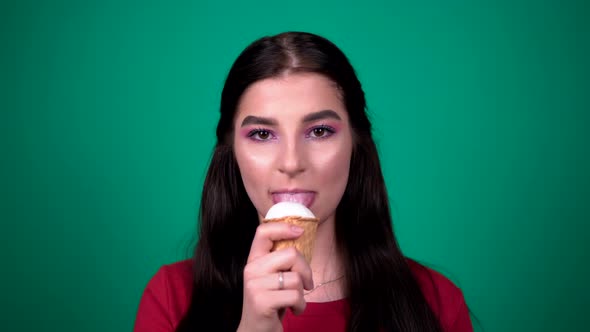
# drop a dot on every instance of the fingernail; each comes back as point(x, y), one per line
point(296, 229)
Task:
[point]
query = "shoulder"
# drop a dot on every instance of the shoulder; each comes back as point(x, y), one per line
point(178, 273)
point(434, 284)
point(172, 278)
point(443, 296)
point(176, 280)
point(166, 298)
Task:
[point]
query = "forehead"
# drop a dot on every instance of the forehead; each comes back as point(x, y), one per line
point(291, 95)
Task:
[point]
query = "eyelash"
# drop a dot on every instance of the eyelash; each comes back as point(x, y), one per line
point(257, 131)
point(329, 132)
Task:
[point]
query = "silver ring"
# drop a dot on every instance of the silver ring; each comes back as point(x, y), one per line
point(281, 281)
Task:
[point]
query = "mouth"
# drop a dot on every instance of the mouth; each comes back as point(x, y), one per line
point(296, 196)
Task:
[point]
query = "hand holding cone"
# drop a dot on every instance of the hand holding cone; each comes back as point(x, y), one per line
point(299, 215)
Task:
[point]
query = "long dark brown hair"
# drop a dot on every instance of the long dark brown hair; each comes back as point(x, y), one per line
point(381, 288)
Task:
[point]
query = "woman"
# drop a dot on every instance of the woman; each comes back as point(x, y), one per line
point(293, 127)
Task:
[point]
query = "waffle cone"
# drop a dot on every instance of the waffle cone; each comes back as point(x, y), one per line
point(305, 242)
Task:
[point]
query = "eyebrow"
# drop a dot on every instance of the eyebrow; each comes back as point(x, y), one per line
point(257, 120)
point(321, 115)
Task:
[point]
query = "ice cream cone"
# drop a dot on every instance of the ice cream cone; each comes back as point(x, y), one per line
point(305, 242)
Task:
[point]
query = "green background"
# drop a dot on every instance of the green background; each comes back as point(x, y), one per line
point(108, 111)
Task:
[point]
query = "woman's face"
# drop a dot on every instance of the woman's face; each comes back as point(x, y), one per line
point(293, 142)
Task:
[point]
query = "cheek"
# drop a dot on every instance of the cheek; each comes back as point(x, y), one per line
point(334, 167)
point(253, 164)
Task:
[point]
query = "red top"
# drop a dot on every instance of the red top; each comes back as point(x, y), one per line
point(167, 297)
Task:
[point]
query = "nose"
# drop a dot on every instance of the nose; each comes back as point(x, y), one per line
point(292, 160)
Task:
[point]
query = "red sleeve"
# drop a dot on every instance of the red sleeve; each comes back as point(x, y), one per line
point(153, 314)
point(462, 321)
point(166, 298)
point(444, 297)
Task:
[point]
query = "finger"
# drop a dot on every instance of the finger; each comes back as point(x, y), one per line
point(267, 233)
point(288, 259)
point(288, 299)
point(299, 307)
point(291, 280)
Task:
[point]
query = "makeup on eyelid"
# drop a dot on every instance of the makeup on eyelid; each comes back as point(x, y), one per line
point(331, 131)
point(250, 133)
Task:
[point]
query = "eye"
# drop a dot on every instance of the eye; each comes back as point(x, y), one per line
point(263, 134)
point(260, 135)
point(321, 132)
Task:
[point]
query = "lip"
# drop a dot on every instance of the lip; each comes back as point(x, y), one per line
point(305, 197)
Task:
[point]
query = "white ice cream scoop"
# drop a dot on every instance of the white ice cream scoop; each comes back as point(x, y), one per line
point(287, 209)
point(299, 215)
